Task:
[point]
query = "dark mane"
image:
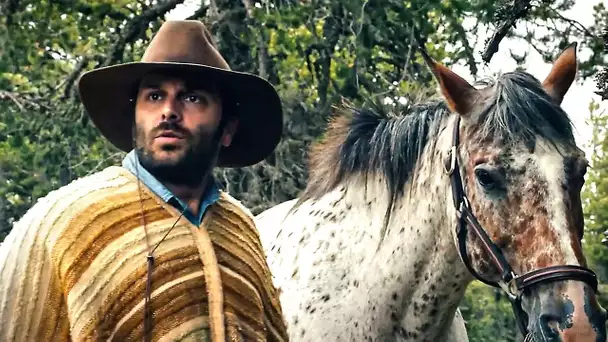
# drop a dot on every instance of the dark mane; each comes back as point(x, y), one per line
point(369, 142)
point(522, 110)
point(361, 141)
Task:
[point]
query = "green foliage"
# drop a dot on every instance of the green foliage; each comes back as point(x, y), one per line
point(602, 77)
point(488, 314)
point(314, 52)
point(595, 197)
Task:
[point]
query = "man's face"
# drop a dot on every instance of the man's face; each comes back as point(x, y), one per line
point(177, 129)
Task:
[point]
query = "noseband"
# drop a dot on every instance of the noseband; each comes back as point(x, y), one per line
point(512, 284)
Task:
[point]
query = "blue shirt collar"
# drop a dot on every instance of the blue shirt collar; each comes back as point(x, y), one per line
point(211, 195)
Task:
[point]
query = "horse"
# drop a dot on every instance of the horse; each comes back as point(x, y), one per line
point(402, 211)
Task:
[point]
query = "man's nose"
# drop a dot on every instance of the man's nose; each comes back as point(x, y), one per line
point(171, 111)
point(170, 116)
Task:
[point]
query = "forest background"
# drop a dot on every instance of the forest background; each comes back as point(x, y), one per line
point(316, 52)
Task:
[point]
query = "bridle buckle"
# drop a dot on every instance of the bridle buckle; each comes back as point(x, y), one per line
point(510, 287)
point(464, 204)
point(452, 165)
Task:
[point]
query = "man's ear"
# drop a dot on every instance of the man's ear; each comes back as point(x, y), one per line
point(229, 132)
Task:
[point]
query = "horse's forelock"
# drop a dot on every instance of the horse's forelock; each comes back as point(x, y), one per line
point(521, 111)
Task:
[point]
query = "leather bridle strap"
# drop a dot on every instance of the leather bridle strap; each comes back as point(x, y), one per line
point(557, 273)
point(512, 284)
point(466, 219)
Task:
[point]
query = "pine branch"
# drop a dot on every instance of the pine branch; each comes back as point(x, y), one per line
point(73, 76)
point(574, 24)
point(24, 101)
point(518, 10)
point(602, 79)
point(199, 13)
point(136, 26)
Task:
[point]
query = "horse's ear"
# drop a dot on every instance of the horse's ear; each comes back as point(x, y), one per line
point(562, 74)
point(459, 94)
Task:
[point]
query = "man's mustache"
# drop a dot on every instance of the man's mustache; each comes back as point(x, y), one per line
point(170, 126)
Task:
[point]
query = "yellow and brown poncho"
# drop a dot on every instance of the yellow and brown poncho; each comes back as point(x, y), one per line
point(74, 268)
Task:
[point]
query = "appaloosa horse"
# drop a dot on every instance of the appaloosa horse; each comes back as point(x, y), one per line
point(401, 213)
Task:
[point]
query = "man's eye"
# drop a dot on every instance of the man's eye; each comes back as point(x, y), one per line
point(154, 97)
point(192, 98)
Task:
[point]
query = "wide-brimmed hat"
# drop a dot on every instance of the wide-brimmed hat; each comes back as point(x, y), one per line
point(186, 46)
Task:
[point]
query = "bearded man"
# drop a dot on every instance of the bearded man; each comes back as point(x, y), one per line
point(153, 249)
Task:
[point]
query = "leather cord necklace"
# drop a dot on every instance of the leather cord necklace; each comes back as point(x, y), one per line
point(211, 271)
point(150, 263)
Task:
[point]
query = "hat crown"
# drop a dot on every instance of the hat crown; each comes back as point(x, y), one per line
point(184, 41)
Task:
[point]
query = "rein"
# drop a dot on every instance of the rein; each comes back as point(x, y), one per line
point(512, 285)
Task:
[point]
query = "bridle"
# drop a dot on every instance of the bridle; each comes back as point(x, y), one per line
point(512, 284)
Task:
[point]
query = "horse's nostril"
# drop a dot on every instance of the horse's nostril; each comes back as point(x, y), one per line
point(547, 318)
point(548, 323)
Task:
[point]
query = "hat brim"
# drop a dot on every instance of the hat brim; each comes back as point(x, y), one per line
point(105, 93)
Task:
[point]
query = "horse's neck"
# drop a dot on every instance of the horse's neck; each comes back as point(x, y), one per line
point(416, 271)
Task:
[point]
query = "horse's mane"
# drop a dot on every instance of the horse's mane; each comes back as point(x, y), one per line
point(367, 142)
point(371, 141)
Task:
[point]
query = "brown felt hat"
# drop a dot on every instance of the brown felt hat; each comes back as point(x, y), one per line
point(186, 46)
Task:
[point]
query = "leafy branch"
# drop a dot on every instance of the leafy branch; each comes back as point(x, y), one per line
point(73, 76)
point(24, 101)
point(136, 27)
point(573, 23)
point(602, 83)
point(512, 14)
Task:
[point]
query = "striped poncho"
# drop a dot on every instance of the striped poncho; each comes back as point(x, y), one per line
point(74, 268)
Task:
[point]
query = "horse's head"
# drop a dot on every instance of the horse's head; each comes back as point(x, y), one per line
point(521, 175)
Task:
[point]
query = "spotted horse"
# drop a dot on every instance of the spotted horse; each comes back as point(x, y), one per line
point(402, 212)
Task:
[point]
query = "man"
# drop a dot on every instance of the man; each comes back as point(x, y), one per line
point(153, 249)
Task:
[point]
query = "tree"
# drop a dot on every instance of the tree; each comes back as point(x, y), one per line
point(595, 197)
point(488, 314)
point(602, 77)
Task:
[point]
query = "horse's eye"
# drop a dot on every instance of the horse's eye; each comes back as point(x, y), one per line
point(485, 179)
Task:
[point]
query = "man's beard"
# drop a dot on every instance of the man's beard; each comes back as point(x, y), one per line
point(195, 162)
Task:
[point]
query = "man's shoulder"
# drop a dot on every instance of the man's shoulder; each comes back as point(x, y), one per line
point(232, 204)
point(99, 183)
point(54, 211)
point(108, 178)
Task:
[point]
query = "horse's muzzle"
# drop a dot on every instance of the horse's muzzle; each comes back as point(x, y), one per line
point(566, 312)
